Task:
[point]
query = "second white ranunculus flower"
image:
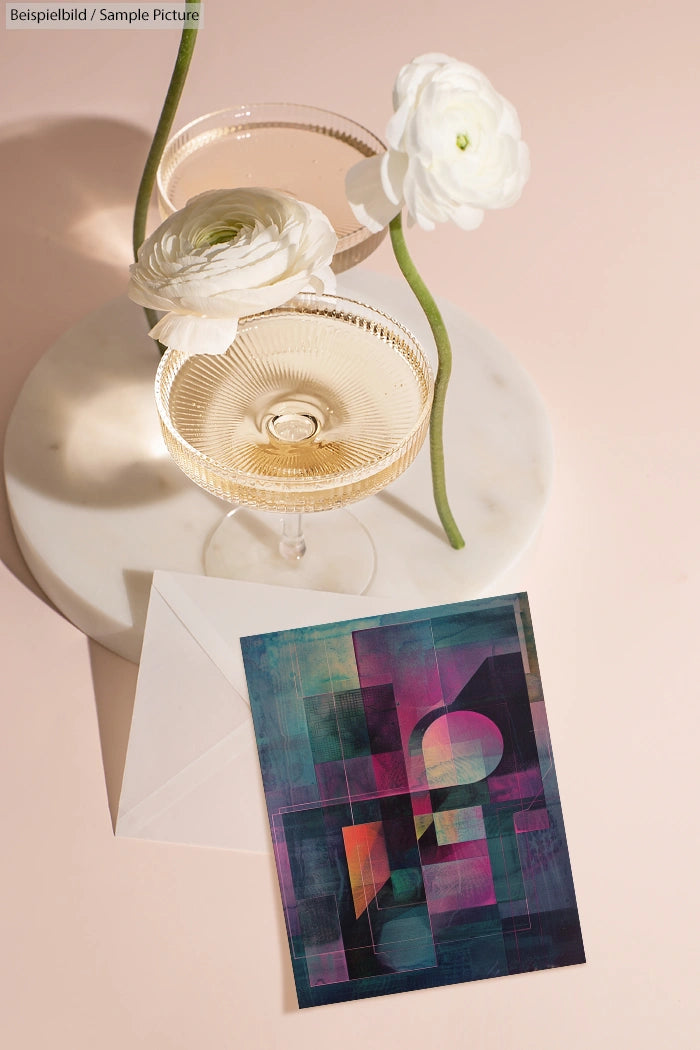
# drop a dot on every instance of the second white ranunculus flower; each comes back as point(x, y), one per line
point(229, 254)
point(455, 150)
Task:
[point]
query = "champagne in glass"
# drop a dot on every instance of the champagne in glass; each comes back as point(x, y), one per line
point(315, 405)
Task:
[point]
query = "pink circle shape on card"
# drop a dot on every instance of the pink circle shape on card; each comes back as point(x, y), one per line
point(461, 747)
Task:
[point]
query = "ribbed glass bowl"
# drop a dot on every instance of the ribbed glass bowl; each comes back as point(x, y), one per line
point(299, 150)
point(315, 405)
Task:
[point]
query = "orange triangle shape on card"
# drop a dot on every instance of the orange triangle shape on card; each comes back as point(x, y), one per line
point(368, 862)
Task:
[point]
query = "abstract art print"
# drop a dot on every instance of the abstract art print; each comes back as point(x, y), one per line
point(412, 800)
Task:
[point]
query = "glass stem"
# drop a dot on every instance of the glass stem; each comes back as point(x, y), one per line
point(444, 352)
point(165, 123)
point(292, 544)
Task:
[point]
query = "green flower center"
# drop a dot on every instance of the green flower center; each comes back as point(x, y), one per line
point(462, 141)
point(220, 234)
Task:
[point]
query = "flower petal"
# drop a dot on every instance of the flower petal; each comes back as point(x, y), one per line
point(367, 196)
point(196, 335)
point(393, 172)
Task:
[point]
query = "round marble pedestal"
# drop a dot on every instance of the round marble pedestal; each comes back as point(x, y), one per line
point(97, 504)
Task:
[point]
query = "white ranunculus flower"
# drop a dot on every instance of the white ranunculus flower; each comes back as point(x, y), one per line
point(228, 254)
point(454, 150)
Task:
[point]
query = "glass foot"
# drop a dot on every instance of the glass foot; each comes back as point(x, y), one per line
point(339, 553)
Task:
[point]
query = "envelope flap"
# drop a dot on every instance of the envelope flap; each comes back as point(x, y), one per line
point(185, 707)
point(210, 611)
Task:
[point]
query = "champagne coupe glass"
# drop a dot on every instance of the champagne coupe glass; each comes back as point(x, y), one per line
point(299, 150)
point(316, 404)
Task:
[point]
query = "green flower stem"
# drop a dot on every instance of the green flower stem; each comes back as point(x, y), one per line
point(165, 123)
point(444, 351)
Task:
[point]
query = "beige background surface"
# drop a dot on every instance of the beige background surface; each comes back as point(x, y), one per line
point(592, 281)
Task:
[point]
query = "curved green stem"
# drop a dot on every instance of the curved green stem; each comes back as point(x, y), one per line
point(165, 123)
point(444, 351)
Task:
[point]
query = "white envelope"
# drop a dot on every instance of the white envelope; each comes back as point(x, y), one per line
point(192, 772)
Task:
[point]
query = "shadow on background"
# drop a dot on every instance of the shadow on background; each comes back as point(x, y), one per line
point(114, 680)
point(69, 188)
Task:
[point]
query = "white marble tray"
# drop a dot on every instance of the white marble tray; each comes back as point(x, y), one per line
point(97, 504)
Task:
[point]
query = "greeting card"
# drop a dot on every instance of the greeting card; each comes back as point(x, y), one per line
point(413, 801)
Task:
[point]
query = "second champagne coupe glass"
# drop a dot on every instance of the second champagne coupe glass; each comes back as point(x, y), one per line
point(315, 405)
point(299, 150)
